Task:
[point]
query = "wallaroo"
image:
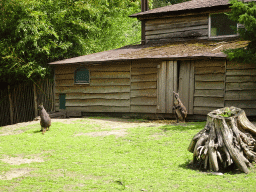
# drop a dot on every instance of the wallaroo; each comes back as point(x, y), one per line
point(179, 109)
point(45, 119)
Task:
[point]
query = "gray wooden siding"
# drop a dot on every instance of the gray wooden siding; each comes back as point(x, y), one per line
point(144, 86)
point(167, 28)
point(108, 91)
point(241, 86)
point(209, 85)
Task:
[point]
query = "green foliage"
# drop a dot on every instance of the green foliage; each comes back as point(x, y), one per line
point(244, 13)
point(162, 3)
point(226, 113)
point(36, 32)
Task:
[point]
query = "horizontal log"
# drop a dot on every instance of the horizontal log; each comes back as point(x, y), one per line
point(240, 95)
point(109, 82)
point(96, 96)
point(240, 79)
point(144, 101)
point(208, 102)
point(177, 19)
point(69, 76)
point(144, 85)
point(143, 71)
point(159, 27)
point(246, 72)
point(144, 93)
point(210, 77)
point(209, 63)
point(241, 86)
point(60, 69)
point(175, 30)
point(99, 109)
point(249, 104)
point(209, 93)
point(209, 85)
point(114, 75)
point(143, 109)
point(148, 77)
point(203, 110)
point(88, 89)
point(203, 32)
point(111, 67)
point(236, 65)
point(96, 102)
point(64, 82)
point(209, 70)
point(144, 64)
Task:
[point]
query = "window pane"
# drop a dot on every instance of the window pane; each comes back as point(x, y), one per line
point(222, 25)
point(82, 76)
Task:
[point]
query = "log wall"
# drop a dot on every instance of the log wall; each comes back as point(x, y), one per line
point(179, 27)
point(144, 86)
point(241, 86)
point(108, 91)
point(209, 85)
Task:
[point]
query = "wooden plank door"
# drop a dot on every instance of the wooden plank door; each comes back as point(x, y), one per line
point(167, 82)
point(186, 84)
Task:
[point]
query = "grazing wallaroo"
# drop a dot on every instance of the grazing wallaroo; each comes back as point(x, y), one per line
point(180, 110)
point(45, 119)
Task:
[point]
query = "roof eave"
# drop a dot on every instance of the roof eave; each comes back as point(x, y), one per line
point(145, 15)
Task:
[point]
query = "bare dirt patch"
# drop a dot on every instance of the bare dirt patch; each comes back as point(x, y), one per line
point(118, 133)
point(104, 123)
point(14, 173)
point(20, 160)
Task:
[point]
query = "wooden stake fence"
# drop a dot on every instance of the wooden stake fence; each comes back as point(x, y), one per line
point(18, 103)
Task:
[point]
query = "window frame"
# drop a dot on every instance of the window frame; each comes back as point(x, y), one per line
point(220, 36)
point(82, 83)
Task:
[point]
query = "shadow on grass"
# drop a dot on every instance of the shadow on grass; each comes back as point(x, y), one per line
point(232, 170)
point(183, 126)
point(37, 131)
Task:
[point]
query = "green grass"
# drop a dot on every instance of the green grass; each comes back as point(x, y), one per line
point(149, 158)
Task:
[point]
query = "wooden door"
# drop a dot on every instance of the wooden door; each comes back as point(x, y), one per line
point(186, 84)
point(175, 77)
point(166, 84)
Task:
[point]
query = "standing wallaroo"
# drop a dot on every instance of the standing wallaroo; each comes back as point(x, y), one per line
point(180, 110)
point(45, 119)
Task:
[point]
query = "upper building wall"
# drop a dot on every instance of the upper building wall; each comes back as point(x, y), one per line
point(176, 28)
point(191, 19)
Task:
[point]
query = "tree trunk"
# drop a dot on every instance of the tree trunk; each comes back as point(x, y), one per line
point(228, 137)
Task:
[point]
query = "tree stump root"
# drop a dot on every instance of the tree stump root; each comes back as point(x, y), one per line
point(227, 139)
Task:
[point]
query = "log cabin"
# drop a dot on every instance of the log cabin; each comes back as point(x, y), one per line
point(181, 50)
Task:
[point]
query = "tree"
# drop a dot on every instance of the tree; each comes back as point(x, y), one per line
point(36, 32)
point(244, 13)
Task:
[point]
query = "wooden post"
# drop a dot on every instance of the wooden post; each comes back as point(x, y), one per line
point(11, 105)
point(144, 7)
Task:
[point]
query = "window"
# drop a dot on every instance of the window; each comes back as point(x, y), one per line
point(82, 76)
point(221, 25)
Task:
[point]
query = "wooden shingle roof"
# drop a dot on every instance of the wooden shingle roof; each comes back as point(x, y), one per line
point(185, 6)
point(169, 51)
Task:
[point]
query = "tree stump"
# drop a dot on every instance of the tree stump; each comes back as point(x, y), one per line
point(227, 138)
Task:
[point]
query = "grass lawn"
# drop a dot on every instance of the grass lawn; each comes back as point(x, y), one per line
point(93, 154)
